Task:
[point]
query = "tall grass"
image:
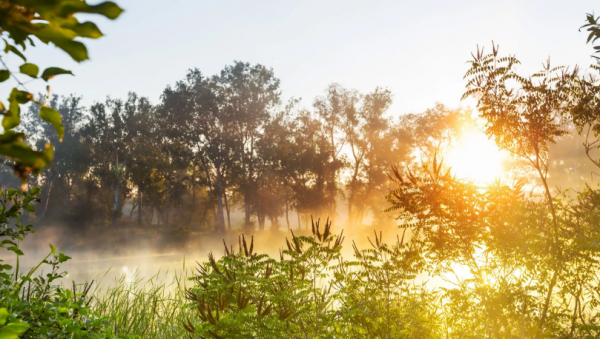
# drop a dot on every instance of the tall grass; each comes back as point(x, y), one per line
point(147, 308)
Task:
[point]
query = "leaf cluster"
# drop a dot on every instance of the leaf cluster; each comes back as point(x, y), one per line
point(22, 24)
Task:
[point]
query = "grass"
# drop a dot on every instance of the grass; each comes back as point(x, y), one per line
point(149, 308)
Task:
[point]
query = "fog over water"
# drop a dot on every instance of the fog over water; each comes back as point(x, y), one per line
point(109, 252)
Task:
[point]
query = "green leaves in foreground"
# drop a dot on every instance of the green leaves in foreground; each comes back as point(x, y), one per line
point(52, 116)
point(12, 145)
point(12, 330)
point(29, 69)
point(51, 22)
point(38, 306)
point(593, 27)
point(51, 72)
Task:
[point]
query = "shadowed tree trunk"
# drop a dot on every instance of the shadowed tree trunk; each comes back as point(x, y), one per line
point(139, 216)
point(287, 213)
point(246, 196)
point(133, 207)
point(227, 210)
point(118, 174)
point(166, 221)
point(48, 190)
point(261, 221)
point(274, 223)
point(220, 216)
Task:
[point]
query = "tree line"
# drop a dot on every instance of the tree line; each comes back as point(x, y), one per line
point(217, 144)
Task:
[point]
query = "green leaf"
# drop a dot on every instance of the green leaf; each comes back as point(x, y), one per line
point(7, 241)
point(4, 75)
point(51, 72)
point(16, 250)
point(23, 97)
point(13, 115)
point(34, 191)
point(13, 330)
point(10, 137)
point(29, 208)
point(75, 49)
point(3, 315)
point(53, 249)
point(11, 48)
point(29, 69)
point(62, 258)
point(52, 116)
point(87, 30)
point(73, 328)
point(19, 327)
point(12, 118)
point(109, 9)
point(63, 39)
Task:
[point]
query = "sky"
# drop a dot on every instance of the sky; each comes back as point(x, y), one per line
point(417, 49)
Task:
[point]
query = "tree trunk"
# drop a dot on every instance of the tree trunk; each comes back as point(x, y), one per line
point(287, 212)
point(139, 216)
point(50, 181)
point(201, 222)
point(246, 208)
point(210, 190)
point(191, 218)
point(261, 221)
point(152, 216)
point(114, 222)
point(274, 223)
point(246, 196)
point(220, 216)
point(227, 208)
point(351, 219)
point(216, 220)
point(166, 221)
point(133, 207)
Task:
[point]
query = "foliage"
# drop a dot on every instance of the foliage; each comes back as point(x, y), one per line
point(127, 157)
point(506, 260)
point(143, 308)
point(311, 292)
point(48, 22)
point(593, 27)
point(35, 306)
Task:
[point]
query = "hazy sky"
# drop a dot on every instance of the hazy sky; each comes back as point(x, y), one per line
point(417, 49)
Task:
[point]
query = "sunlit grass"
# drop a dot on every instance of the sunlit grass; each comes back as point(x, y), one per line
point(149, 308)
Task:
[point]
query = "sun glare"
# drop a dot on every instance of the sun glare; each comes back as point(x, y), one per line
point(476, 158)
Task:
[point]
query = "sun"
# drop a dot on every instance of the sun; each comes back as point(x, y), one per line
point(475, 157)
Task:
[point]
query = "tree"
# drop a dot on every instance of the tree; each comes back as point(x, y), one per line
point(247, 95)
point(332, 109)
point(372, 151)
point(71, 159)
point(194, 112)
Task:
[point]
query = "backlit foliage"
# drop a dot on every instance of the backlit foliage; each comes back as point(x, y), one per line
point(25, 23)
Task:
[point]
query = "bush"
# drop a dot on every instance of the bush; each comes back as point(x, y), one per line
point(36, 306)
point(311, 292)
